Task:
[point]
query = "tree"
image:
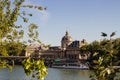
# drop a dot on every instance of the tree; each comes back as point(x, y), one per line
point(11, 33)
point(104, 56)
point(105, 59)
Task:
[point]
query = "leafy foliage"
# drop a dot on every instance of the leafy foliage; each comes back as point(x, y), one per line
point(35, 67)
point(15, 48)
point(104, 58)
point(33, 34)
point(11, 33)
point(4, 64)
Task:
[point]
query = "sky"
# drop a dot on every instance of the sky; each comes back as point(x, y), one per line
point(83, 19)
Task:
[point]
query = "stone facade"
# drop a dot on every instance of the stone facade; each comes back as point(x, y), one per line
point(67, 53)
point(69, 50)
point(34, 50)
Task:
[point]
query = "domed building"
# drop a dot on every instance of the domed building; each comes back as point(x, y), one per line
point(66, 40)
point(66, 54)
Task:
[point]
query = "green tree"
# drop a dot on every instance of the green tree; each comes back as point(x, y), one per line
point(105, 59)
point(104, 56)
point(15, 48)
point(11, 33)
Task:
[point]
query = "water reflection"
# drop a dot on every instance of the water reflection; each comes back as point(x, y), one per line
point(67, 74)
point(53, 74)
point(16, 74)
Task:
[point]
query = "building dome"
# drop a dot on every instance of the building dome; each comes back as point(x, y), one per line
point(66, 40)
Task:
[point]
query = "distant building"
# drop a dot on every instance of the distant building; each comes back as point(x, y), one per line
point(34, 50)
point(83, 42)
point(68, 52)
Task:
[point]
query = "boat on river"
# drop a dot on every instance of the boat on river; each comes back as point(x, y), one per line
point(70, 66)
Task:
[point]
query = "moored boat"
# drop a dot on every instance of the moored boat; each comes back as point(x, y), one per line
point(70, 66)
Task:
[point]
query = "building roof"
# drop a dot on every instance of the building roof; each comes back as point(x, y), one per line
point(74, 44)
point(55, 48)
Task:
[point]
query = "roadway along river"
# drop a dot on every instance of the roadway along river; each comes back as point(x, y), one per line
point(53, 74)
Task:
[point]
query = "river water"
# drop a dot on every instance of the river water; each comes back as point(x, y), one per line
point(53, 74)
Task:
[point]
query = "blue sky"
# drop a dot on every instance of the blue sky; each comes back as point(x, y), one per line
point(83, 19)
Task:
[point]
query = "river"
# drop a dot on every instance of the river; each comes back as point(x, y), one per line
point(53, 74)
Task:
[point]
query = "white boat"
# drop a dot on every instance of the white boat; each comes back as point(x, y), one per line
point(70, 66)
